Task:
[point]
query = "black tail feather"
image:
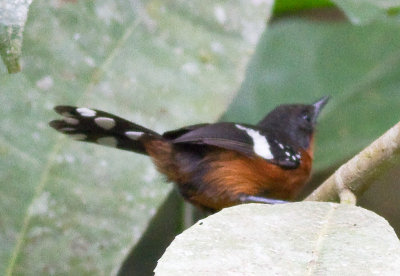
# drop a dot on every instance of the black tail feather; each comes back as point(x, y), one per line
point(100, 127)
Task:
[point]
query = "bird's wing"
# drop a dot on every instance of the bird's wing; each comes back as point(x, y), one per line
point(173, 134)
point(248, 140)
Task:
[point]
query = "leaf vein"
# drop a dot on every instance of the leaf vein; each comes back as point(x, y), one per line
point(321, 236)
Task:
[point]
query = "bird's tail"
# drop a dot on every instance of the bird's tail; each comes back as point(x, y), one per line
point(102, 128)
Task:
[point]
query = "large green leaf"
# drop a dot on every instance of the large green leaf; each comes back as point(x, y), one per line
point(358, 11)
point(305, 238)
point(75, 208)
point(364, 11)
point(13, 15)
point(299, 61)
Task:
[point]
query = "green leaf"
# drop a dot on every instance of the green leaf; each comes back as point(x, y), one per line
point(364, 11)
point(12, 21)
point(358, 11)
point(305, 238)
point(299, 61)
point(283, 6)
point(75, 208)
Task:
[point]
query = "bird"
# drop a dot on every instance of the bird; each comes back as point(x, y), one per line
point(214, 165)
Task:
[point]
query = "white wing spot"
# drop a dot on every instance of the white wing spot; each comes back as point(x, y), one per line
point(86, 112)
point(260, 143)
point(106, 123)
point(134, 135)
point(71, 121)
point(287, 153)
point(78, 136)
point(280, 145)
point(107, 141)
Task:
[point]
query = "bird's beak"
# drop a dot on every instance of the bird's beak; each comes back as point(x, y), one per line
point(318, 105)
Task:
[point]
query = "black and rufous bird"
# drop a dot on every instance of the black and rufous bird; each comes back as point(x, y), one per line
point(215, 165)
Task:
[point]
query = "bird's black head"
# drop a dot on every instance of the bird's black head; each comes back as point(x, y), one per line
point(293, 123)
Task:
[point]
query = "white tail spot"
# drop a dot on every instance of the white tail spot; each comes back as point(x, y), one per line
point(260, 143)
point(106, 123)
point(86, 112)
point(71, 121)
point(108, 141)
point(134, 135)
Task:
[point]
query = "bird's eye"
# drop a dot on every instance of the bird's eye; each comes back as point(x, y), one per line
point(307, 117)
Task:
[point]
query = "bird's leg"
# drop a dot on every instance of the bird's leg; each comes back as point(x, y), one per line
point(260, 199)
